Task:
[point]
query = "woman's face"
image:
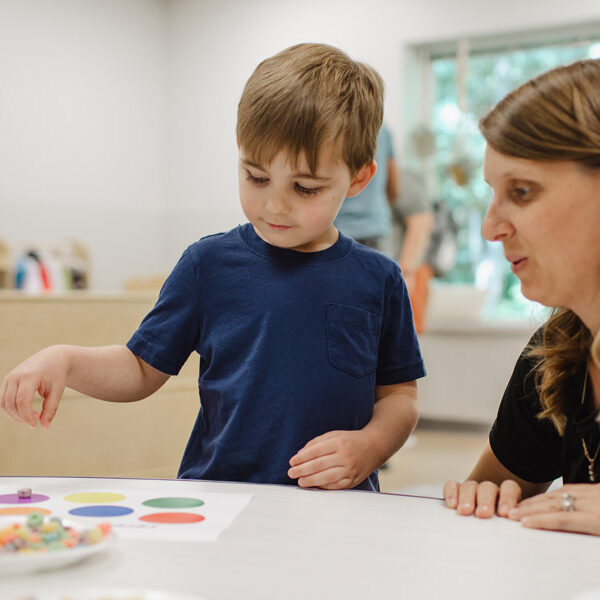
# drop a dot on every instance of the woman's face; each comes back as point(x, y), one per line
point(547, 216)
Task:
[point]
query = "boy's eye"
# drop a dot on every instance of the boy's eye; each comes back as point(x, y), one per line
point(256, 180)
point(306, 191)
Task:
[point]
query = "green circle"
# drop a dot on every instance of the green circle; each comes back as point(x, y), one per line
point(173, 502)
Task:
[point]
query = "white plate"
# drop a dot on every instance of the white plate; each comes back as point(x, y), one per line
point(119, 594)
point(17, 564)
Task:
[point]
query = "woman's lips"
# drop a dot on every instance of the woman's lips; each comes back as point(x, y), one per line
point(518, 265)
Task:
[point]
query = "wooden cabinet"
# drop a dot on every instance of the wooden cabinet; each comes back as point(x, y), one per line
point(90, 437)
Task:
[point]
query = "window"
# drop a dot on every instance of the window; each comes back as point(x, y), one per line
point(464, 80)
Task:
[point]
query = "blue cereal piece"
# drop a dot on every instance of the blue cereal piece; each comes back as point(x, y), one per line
point(51, 537)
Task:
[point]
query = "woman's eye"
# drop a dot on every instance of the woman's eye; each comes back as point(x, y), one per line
point(520, 193)
point(305, 191)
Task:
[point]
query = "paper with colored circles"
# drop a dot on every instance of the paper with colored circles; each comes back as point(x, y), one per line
point(160, 510)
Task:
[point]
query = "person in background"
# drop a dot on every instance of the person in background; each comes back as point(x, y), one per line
point(412, 224)
point(543, 164)
point(392, 214)
point(308, 351)
point(366, 217)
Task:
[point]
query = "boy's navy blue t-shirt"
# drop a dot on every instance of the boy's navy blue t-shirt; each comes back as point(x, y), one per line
point(291, 346)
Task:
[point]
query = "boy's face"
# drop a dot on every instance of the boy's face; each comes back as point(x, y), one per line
point(291, 208)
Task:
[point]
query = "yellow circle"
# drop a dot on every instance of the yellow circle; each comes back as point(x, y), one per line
point(94, 497)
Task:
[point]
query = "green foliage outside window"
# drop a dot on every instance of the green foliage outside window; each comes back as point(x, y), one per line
point(459, 145)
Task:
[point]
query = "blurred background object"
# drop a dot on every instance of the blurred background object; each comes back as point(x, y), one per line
point(39, 267)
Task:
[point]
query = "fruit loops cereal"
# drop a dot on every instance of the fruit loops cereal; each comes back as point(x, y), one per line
point(24, 493)
point(39, 535)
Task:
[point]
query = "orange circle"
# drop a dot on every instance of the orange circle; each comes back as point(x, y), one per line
point(23, 510)
point(172, 517)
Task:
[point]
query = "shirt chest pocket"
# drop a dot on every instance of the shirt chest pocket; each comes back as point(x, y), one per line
point(352, 339)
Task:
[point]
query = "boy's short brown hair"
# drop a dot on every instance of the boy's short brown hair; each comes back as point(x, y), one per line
point(306, 96)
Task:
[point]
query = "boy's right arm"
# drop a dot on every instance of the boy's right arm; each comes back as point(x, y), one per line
point(111, 373)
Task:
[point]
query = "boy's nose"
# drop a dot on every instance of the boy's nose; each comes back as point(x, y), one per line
point(277, 203)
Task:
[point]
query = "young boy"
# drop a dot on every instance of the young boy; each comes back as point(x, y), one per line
point(308, 352)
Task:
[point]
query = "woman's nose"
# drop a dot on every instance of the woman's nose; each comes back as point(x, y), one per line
point(496, 226)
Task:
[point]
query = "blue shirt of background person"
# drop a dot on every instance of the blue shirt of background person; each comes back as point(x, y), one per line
point(367, 215)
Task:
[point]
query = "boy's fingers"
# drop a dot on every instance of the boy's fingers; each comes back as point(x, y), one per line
point(320, 438)
point(487, 496)
point(467, 495)
point(315, 451)
point(326, 477)
point(10, 401)
point(24, 397)
point(50, 405)
point(313, 466)
point(304, 448)
point(341, 484)
point(451, 493)
point(510, 495)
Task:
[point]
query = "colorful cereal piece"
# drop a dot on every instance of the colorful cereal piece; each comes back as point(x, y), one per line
point(95, 535)
point(8, 534)
point(104, 527)
point(23, 533)
point(35, 519)
point(24, 493)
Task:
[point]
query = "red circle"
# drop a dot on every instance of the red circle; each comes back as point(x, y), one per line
point(172, 517)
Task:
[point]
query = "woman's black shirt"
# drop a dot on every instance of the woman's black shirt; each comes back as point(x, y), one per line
point(531, 448)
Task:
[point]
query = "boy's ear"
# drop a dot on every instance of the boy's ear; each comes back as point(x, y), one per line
point(361, 179)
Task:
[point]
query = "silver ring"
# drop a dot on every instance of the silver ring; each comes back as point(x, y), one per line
point(567, 502)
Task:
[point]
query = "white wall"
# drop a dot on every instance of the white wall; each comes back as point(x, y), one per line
point(82, 129)
point(117, 117)
point(215, 45)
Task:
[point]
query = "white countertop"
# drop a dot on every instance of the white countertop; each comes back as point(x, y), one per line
point(292, 544)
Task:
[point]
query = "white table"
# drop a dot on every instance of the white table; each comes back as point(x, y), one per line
point(290, 543)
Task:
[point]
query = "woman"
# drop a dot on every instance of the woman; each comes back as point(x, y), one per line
point(543, 164)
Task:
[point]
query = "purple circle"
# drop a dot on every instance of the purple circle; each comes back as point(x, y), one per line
point(14, 499)
point(101, 511)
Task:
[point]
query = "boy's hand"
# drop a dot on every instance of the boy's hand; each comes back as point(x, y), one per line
point(45, 373)
point(335, 460)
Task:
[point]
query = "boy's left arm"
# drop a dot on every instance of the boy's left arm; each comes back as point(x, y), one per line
point(343, 459)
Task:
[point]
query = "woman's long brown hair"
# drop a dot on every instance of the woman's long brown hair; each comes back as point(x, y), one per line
point(554, 117)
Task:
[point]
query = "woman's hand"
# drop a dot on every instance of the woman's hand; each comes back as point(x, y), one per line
point(482, 499)
point(490, 489)
point(551, 510)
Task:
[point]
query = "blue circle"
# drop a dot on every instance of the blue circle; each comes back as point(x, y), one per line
point(101, 511)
